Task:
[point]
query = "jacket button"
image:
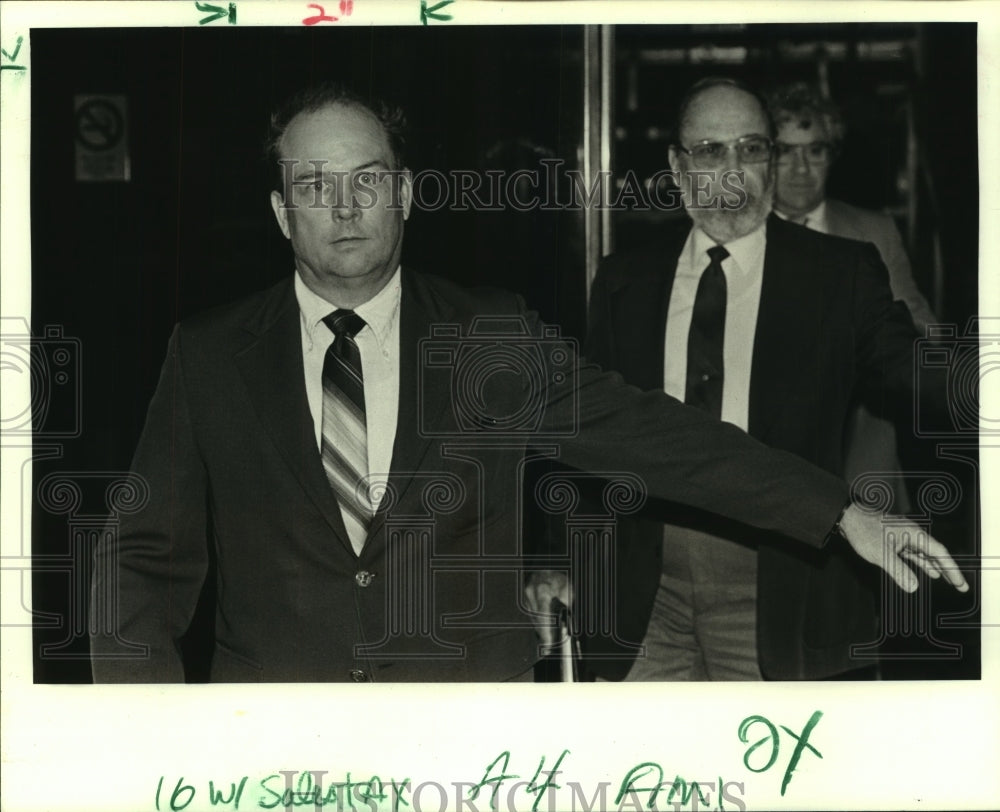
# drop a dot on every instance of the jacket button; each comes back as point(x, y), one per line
point(357, 675)
point(364, 578)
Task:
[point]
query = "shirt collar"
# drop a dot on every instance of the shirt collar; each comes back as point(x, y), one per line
point(747, 252)
point(816, 217)
point(379, 312)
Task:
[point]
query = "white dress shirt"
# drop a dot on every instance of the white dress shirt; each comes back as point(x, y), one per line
point(378, 342)
point(744, 270)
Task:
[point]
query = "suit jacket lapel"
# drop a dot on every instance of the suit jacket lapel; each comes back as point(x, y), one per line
point(272, 368)
point(424, 402)
point(787, 313)
point(642, 296)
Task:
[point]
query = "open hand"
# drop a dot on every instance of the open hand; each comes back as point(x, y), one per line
point(898, 547)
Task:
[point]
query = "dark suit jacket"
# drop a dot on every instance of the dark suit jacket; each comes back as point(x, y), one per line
point(233, 472)
point(826, 326)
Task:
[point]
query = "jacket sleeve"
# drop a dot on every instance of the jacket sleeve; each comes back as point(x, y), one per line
point(148, 572)
point(681, 454)
point(886, 343)
point(901, 280)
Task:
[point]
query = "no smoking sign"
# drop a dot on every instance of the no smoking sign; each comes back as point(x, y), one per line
point(101, 130)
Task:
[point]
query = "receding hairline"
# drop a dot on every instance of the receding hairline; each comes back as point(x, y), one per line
point(693, 100)
point(347, 104)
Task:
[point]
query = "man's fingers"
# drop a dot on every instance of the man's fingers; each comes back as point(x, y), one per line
point(543, 601)
point(547, 593)
point(935, 568)
point(953, 575)
point(891, 545)
point(539, 601)
point(932, 557)
point(547, 635)
point(927, 565)
point(901, 574)
point(942, 559)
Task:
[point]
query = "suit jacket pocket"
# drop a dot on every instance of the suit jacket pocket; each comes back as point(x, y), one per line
point(228, 666)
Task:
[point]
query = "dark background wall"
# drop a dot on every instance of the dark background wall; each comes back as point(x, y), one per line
point(116, 264)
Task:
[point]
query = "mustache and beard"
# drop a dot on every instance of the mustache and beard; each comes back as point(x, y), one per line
point(727, 224)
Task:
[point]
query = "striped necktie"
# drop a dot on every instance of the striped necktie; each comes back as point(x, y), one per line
point(345, 435)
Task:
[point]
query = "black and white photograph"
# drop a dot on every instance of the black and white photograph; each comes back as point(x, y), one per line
point(350, 349)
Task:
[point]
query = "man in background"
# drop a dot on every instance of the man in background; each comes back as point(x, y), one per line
point(809, 132)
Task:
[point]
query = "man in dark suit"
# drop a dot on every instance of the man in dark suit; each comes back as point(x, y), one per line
point(346, 445)
point(773, 328)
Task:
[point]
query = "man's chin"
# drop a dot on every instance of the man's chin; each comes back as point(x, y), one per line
point(725, 226)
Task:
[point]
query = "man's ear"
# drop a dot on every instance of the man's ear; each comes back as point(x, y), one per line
point(280, 213)
point(406, 192)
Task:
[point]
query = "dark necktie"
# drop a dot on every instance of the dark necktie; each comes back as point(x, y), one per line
point(345, 434)
point(705, 340)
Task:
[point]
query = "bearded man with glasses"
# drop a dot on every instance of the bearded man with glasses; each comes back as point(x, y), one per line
point(776, 329)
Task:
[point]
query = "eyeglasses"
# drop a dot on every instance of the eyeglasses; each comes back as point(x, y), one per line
point(815, 152)
point(751, 149)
